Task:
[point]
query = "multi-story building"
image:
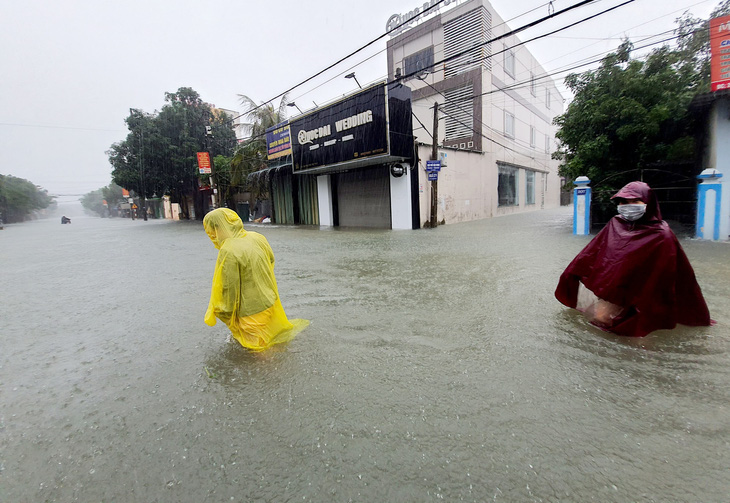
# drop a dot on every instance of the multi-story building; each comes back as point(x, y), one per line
point(354, 162)
point(496, 108)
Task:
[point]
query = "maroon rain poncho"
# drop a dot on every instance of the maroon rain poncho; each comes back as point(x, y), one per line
point(639, 273)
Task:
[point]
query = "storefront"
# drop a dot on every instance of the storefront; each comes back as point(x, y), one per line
point(353, 157)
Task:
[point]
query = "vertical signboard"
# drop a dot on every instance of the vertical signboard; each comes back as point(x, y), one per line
point(204, 163)
point(278, 141)
point(720, 53)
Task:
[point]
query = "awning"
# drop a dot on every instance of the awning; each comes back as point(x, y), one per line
point(267, 172)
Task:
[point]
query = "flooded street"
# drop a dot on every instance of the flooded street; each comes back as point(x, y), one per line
point(438, 366)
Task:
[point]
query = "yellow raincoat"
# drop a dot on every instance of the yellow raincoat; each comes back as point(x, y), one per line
point(244, 294)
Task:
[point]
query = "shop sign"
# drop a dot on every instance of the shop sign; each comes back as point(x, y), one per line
point(398, 23)
point(278, 141)
point(720, 53)
point(352, 129)
point(204, 163)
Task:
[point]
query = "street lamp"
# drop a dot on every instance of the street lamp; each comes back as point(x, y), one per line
point(352, 76)
point(292, 104)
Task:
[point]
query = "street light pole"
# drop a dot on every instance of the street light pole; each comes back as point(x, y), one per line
point(352, 76)
point(142, 196)
point(211, 178)
point(141, 175)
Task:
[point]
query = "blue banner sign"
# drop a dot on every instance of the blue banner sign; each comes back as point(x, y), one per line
point(278, 141)
point(433, 176)
point(580, 192)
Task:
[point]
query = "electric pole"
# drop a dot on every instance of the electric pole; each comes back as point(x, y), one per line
point(143, 198)
point(434, 157)
point(211, 178)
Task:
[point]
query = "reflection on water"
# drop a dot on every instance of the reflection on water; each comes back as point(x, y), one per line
point(437, 365)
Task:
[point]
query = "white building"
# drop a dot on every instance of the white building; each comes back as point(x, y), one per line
point(354, 163)
point(496, 111)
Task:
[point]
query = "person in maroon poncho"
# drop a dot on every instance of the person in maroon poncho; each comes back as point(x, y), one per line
point(633, 277)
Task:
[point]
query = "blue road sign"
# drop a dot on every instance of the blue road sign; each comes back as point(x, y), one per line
point(433, 176)
point(433, 166)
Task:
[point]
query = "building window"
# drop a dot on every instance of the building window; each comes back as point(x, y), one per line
point(533, 137)
point(529, 187)
point(533, 84)
point(547, 143)
point(509, 124)
point(509, 63)
point(547, 98)
point(418, 62)
point(507, 186)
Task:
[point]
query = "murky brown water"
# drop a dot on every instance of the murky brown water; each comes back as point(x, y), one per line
point(438, 366)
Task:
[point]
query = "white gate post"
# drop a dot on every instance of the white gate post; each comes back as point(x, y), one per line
point(582, 207)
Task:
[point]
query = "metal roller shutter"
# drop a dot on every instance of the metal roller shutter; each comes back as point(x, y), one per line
point(363, 198)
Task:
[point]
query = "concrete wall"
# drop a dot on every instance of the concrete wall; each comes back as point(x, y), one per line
point(467, 187)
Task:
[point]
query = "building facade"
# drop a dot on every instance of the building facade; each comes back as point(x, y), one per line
point(495, 133)
point(496, 108)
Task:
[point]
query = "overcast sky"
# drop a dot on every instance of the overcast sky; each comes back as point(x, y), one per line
point(71, 70)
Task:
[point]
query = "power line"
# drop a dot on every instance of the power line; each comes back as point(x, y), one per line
point(60, 127)
point(504, 35)
point(434, 6)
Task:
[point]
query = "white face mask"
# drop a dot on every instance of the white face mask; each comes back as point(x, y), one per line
point(632, 212)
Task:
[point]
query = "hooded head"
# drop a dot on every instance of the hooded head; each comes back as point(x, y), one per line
point(221, 224)
point(640, 190)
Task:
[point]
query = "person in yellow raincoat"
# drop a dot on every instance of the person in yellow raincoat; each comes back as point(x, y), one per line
point(244, 295)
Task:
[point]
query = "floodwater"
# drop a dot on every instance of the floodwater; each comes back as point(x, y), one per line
point(438, 367)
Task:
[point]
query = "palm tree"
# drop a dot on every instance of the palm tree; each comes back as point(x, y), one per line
point(251, 154)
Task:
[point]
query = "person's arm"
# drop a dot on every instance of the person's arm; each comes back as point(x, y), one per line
point(224, 295)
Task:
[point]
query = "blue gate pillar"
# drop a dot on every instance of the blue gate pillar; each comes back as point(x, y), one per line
point(709, 205)
point(582, 206)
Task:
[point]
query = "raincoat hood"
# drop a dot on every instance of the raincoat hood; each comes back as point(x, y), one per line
point(640, 190)
point(221, 224)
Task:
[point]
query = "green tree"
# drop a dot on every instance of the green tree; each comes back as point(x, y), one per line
point(94, 201)
point(693, 44)
point(19, 198)
point(159, 154)
point(630, 114)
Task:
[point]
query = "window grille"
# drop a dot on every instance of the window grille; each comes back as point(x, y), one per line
point(459, 111)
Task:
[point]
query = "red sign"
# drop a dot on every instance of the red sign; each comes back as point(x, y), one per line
point(125, 193)
point(720, 53)
point(204, 163)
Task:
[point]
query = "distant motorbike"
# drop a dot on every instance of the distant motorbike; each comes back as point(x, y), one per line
point(65, 220)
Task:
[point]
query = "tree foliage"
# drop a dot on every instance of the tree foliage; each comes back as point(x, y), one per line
point(19, 198)
point(251, 154)
point(627, 114)
point(94, 201)
point(630, 114)
point(159, 155)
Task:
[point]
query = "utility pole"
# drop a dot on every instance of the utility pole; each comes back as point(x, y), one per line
point(143, 198)
point(211, 178)
point(434, 157)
